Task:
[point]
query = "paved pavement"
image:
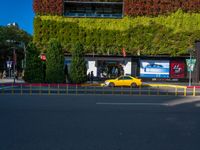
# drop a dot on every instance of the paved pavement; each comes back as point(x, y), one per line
point(99, 123)
point(11, 80)
point(8, 80)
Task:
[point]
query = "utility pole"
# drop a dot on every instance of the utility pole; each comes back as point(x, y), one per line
point(24, 55)
point(14, 62)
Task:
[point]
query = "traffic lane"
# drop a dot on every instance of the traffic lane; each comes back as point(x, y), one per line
point(61, 125)
point(98, 103)
point(110, 131)
point(83, 101)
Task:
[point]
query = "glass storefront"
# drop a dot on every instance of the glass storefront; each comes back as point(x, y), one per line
point(109, 69)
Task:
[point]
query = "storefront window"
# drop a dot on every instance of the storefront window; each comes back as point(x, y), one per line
point(110, 69)
point(93, 9)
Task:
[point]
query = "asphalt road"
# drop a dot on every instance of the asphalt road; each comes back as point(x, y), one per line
point(99, 122)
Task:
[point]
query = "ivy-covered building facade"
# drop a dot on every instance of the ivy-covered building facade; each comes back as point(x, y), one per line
point(153, 33)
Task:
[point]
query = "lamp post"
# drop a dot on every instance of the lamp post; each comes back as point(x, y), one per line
point(14, 57)
point(190, 71)
point(24, 47)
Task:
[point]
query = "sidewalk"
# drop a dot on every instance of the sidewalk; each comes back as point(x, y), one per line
point(97, 83)
point(9, 80)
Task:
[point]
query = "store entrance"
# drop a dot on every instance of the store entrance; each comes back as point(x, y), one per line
point(109, 69)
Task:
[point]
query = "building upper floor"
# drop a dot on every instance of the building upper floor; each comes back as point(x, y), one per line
point(113, 8)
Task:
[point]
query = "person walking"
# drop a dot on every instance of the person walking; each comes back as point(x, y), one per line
point(91, 77)
point(88, 76)
point(4, 74)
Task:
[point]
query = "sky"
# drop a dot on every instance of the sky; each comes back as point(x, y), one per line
point(19, 11)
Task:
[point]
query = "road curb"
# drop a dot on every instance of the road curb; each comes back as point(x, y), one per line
point(166, 85)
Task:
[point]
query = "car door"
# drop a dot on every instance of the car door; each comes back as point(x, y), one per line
point(127, 81)
point(119, 81)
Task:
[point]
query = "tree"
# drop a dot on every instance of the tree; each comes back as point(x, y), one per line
point(34, 71)
point(12, 33)
point(78, 70)
point(55, 62)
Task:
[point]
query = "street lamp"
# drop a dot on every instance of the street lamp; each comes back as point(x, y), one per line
point(14, 56)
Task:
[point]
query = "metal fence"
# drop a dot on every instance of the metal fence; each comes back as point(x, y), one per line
point(78, 89)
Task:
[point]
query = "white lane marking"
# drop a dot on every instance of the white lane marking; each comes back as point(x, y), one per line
point(183, 101)
point(136, 104)
point(198, 105)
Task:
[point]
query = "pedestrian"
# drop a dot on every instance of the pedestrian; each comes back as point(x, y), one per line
point(91, 76)
point(4, 74)
point(116, 72)
point(16, 75)
point(88, 76)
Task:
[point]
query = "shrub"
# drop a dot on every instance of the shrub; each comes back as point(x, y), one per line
point(55, 62)
point(78, 70)
point(34, 71)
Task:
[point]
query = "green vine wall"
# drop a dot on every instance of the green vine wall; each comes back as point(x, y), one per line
point(171, 35)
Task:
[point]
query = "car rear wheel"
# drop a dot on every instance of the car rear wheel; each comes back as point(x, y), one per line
point(133, 85)
point(111, 84)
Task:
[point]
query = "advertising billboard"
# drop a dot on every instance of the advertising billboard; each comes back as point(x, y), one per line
point(154, 68)
point(177, 69)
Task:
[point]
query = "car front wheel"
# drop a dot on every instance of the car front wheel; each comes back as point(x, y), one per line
point(133, 85)
point(111, 84)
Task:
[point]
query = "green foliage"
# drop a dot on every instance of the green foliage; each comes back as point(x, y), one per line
point(170, 35)
point(78, 70)
point(34, 71)
point(12, 33)
point(55, 62)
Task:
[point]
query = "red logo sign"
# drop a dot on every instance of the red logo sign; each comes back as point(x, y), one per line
point(177, 69)
point(43, 57)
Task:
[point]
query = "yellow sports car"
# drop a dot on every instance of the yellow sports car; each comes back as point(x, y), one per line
point(123, 81)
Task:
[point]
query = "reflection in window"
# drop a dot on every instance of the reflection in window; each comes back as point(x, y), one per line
point(93, 9)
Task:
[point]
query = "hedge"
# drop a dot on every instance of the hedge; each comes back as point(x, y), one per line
point(171, 35)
